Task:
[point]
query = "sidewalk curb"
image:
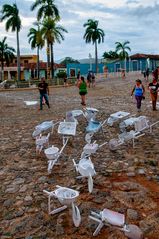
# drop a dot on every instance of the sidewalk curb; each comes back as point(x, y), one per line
point(34, 88)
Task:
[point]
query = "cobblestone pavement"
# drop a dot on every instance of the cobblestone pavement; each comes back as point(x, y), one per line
point(127, 180)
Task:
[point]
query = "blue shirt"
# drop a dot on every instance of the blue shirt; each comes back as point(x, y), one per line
point(138, 90)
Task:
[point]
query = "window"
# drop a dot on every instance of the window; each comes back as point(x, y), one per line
point(25, 61)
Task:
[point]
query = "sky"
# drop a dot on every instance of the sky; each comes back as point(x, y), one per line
point(121, 20)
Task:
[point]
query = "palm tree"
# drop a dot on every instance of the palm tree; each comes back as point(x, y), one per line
point(52, 33)
point(122, 49)
point(47, 8)
point(11, 14)
point(36, 41)
point(95, 35)
point(6, 55)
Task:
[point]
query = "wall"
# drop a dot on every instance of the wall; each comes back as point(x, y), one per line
point(83, 68)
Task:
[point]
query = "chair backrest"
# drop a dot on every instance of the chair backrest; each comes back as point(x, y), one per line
point(70, 117)
point(141, 124)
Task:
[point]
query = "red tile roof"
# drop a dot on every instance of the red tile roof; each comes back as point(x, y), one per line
point(144, 56)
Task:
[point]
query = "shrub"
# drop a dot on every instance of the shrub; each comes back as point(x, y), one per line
point(61, 74)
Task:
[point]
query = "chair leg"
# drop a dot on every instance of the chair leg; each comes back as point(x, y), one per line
point(99, 227)
point(102, 131)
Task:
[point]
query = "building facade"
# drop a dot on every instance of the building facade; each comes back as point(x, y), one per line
point(74, 68)
point(28, 64)
point(137, 62)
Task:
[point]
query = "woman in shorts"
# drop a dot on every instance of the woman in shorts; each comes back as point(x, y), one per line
point(82, 90)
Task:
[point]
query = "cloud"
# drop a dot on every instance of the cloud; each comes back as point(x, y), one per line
point(133, 20)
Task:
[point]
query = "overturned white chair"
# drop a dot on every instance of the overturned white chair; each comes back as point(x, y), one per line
point(31, 102)
point(43, 127)
point(95, 126)
point(90, 113)
point(90, 148)
point(3, 83)
point(66, 197)
point(117, 220)
point(141, 124)
point(71, 116)
point(41, 142)
point(117, 117)
point(67, 129)
point(86, 169)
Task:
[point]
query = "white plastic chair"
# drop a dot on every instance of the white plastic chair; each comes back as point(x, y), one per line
point(66, 129)
point(67, 198)
point(2, 84)
point(117, 220)
point(44, 126)
point(70, 117)
point(141, 124)
point(53, 154)
point(90, 113)
point(86, 168)
point(95, 126)
point(41, 141)
point(90, 148)
point(118, 116)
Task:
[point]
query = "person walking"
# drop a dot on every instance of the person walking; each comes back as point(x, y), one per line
point(93, 79)
point(138, 91)
point(44, 92)
point(154, 88)
point(89, 79)
point(82, 85)
point(147, 74)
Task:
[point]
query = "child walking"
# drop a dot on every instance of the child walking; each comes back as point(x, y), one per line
point(138, 91)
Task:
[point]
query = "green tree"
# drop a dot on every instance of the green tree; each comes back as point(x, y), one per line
point(68, 60)
point(36, 41)
point(122, 49)
point(46, 8)
point(95, 35)
point(6, 55)
point(10, 13)
point(52, 33)
point(111, 55)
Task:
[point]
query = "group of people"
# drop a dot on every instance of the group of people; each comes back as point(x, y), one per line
point(139, 92)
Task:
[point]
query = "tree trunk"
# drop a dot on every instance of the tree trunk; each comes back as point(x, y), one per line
point(2, 68)
point(48, 60)
point(18, 57)
point(96, 58)
point(38, 63)
point(52, 61)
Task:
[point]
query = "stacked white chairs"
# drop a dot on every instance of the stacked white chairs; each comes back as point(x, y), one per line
point(117, 220)
point(67, 198)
